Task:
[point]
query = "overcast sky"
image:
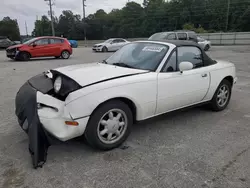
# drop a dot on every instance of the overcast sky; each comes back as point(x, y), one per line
point(27, 10)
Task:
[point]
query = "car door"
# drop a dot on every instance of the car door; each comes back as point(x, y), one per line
point(120, 43)
point(55, 46)
point(114, 45)
point(176, 89)
point(39, 48)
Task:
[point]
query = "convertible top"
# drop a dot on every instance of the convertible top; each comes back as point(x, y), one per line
point(207, 60)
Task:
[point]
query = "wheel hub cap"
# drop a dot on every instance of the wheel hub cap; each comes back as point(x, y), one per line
point(223, 95)
point(112, 126)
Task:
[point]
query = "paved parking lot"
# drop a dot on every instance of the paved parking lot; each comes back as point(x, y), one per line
point(192, 148)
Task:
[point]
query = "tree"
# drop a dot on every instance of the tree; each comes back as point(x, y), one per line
point(9, 28)
point(135, 20)
point(42, 27)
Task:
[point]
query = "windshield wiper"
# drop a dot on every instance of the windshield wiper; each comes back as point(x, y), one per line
point(123, 65)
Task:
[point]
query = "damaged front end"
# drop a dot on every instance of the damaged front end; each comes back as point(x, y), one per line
point(27, 113)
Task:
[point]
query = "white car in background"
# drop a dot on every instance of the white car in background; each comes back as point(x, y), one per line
point(205, 44)
point(110, 45)
point(102, 100)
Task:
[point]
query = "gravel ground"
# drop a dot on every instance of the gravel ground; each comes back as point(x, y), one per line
point(188, 149)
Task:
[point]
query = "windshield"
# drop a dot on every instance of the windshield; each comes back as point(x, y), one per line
point(157, 36)
point(139, 55)
point(108, 41)
point(30, 41)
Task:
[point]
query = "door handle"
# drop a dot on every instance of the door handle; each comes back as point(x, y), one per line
point(204, 75)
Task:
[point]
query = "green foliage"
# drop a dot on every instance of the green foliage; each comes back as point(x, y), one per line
point(135, 20)
point(9, 28)
point(189, 26)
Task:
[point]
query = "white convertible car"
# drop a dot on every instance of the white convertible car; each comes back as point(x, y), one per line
point(102, 100)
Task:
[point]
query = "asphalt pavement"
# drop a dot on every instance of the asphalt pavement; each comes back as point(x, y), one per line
point(185, 149)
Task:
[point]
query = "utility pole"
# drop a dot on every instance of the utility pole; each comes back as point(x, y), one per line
point(84, 16)
point(51, 17)
point(26, 28)
point(228, 8)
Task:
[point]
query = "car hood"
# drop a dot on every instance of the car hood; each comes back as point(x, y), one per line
point(89, 73)
point(15, 46)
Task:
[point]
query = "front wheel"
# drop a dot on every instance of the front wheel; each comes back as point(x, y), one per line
point(104, 49)
point(222, 96)
point(65, 54)
point(24, 56)
point(206, 48)
point(109, 126)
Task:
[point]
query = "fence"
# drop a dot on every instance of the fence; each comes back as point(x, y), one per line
point(236, 38)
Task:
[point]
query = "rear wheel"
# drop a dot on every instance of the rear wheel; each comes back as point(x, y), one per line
point(65, 54)
point(222, 96)
point(24, 56)
point(109, 126)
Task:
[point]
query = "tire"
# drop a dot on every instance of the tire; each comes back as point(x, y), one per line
point(95, 130)
point(104, 49)
point(24, 56)
point(206, 48)
point(216, 104)
point(65, 54)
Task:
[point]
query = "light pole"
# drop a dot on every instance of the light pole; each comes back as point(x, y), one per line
point(83, 10)
point(228, 8)
point(51, 17)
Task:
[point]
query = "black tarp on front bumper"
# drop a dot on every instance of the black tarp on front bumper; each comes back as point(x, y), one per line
point(26, 111)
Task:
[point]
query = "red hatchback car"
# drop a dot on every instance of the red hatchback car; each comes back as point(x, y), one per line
point(40, 47)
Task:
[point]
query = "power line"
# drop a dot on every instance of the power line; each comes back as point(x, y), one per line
point(51, 17)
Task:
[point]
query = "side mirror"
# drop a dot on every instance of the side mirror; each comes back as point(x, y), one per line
point(34, 45)
point(185, 65)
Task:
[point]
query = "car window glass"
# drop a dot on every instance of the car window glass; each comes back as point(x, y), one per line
point(171, 63)
point(171, 36)
point(182, 36)
point(190, 54)
point(116, 41)
point(140, 55)
point(55, 41)
point(121, 40)
point(41, 42)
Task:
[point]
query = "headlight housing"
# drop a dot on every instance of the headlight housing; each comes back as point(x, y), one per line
point(63, 85)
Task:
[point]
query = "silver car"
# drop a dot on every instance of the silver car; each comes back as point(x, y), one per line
point(205, 44)
point(113, 44)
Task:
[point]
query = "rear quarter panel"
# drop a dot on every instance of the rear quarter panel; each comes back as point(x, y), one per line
point(140, 89)
point(218, 72)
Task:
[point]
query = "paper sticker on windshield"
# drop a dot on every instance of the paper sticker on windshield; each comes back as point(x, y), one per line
point(152, 49)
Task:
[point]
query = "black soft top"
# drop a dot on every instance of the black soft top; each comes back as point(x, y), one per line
point(207, 60)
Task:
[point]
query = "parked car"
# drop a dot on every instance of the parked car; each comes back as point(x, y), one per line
point(40, 47)
point(102, 100)
point(110, 45)
point(175, 35)
point(5, 42)
point(73, 43)
point(205, 44)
